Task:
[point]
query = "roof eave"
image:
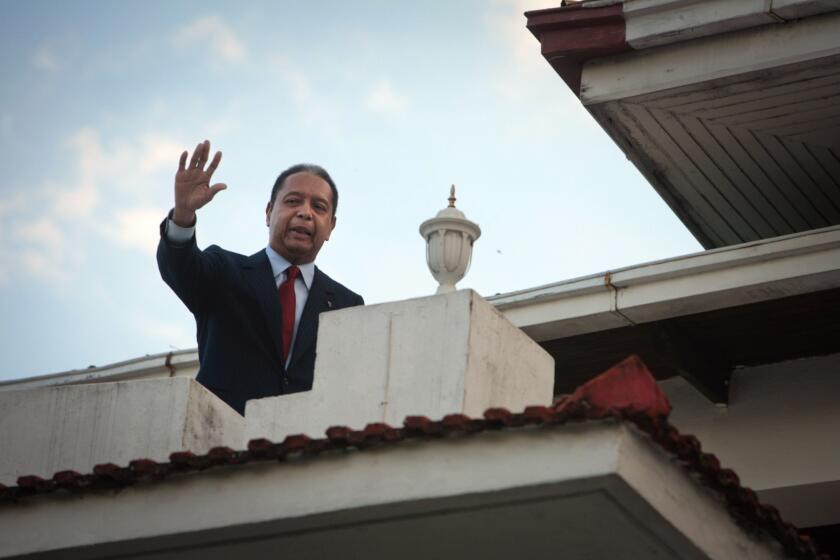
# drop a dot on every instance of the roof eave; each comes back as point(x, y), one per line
point(735, 275)
point(571, 35)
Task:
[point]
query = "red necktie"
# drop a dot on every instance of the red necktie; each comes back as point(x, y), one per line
point(287, 302)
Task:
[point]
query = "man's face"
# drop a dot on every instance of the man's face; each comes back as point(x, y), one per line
point(300, 218)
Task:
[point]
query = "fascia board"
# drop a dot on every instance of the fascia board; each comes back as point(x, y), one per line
point(708, 58)
point(658, 22)
point(756, 271)
point(113, 372)
point(795, 9)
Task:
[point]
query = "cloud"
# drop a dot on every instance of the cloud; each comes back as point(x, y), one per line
point(42, 250)
point(79, 200)
point(506, 21)
point(174, 335)
point(158, 152)
point(311, 105)
point(126, 167)
point(6, 125)
point(299, 83)
point(383, 99)
point(136, 228)
point(42, 232)
point(45, 59)
point(38, 264)
point(116, 177)
point(525, 77)
point(12, 203)
point(74, 202)
point(104, 198)
point(215, 33)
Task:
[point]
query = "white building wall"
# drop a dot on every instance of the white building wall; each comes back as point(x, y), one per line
point(780, 433)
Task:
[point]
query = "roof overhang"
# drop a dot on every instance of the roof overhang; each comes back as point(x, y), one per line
point(699, 316)
point(730, 109)
point(731, 276)
point(525, 492)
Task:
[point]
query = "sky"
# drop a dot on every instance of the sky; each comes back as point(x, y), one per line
point(397, 99)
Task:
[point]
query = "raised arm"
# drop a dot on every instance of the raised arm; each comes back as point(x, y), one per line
point(190, 272)
point(192, 184)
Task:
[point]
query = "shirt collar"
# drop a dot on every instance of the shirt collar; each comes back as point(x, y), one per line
point(279, 266)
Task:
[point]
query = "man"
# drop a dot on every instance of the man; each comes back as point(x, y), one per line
point(257, 316)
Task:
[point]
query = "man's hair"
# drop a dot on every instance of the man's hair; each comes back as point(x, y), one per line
point(311, 168)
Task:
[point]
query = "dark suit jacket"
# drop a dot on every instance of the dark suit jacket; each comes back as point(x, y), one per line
point(238, 317)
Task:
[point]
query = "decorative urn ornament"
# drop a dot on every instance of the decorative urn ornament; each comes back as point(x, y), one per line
point(449, 240)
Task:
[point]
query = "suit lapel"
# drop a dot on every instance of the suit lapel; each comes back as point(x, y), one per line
point(320, 299)
point(259, 275)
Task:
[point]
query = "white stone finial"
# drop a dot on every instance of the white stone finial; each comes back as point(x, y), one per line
point(449, 239)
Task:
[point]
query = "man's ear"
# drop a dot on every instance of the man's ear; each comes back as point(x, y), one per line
point(268, 213)
point(332, 227)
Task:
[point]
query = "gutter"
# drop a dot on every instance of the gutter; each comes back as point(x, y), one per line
point(165, 364)
point(730, 276)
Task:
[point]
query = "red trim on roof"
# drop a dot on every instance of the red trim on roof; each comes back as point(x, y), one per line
point(571, 35)
point(626, 392)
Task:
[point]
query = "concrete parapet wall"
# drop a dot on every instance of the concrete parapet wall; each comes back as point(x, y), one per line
point(43, 431)
point(432, 356)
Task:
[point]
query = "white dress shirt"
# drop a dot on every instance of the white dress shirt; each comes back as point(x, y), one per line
point(181, 235)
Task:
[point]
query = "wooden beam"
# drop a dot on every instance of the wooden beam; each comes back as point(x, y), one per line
point(700, 368)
